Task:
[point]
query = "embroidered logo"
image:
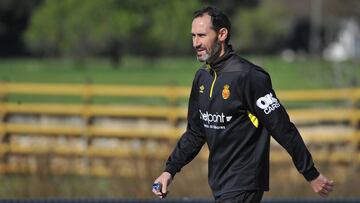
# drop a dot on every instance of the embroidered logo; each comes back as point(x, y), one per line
point(201, 89)
point(226, 92)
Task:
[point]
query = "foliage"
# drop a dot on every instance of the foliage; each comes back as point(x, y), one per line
point(259, 29)
point(153, 27)
point(80, 28)
point(230, 7)
point(169, 24)
point(77, 28)
point(14, 15)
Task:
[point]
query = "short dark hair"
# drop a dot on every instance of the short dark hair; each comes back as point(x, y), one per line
point(218, 19)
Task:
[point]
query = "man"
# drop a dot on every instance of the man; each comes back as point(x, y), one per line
point(233, 108)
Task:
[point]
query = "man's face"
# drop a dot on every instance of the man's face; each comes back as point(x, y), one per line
point(204, 38)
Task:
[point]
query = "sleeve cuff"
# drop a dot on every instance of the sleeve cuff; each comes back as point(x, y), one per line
point(311, 174)
point(170, 170)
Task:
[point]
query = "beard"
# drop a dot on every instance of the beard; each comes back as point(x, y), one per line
point(212, 54)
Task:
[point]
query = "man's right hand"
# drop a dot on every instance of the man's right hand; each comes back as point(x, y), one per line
point(165, 180)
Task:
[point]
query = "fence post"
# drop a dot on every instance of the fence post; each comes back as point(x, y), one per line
point(354, 96)
point(87, 122)
point(173, 97)
point(353, 117)
point(5, 136)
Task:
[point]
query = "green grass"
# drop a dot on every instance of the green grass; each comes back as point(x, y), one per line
point(301, 74)
point(307, 73)
point(134, 71)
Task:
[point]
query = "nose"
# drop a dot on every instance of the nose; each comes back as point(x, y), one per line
point(196, 42)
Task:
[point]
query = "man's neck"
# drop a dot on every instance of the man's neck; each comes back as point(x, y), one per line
point(222, 52)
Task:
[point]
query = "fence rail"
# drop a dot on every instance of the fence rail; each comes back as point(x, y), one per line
point(171, 92)
point(26, 121)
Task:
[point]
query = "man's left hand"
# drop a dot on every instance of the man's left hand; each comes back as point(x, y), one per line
point(322, 186)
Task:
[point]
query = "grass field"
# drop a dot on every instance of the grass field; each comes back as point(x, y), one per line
point(301, 74)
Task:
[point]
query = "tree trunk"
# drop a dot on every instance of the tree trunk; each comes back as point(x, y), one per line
point(116, 54)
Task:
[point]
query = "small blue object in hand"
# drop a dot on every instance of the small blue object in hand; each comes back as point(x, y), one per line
point(157, 187)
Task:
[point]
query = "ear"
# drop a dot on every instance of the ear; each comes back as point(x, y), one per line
point(222, 34)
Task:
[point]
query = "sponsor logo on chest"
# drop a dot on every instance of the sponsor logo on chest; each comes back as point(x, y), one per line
point(214, 121)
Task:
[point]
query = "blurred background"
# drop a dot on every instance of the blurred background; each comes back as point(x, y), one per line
point(93, 93)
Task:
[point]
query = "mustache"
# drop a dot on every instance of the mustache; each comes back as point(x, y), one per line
point(200, 47)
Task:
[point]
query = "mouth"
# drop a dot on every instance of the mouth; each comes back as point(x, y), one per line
point(200, 51)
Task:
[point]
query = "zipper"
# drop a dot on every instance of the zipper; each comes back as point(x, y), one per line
point(213, 83)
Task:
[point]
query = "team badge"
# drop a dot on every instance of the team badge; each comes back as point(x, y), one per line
point(201, 89)
point(226, 92)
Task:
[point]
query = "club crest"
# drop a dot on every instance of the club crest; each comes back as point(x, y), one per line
point(226, 92)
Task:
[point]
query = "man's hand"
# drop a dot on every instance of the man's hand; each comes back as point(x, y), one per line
point(164, 179)
point(322, 185)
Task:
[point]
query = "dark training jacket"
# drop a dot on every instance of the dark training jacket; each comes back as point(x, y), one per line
point(233, 108)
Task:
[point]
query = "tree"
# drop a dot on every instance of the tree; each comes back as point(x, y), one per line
point(81, 28)
point(169, 25)
point(14, 16)
point(89, 27)
point(230, 7)
point(259, 29)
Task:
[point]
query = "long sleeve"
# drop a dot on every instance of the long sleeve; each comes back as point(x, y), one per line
point(191, 141)
point(263, 103)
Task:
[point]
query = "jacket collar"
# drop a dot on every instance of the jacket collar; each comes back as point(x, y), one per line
point(219, 63)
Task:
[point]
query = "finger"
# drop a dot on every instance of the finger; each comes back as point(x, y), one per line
point(157, 193)
point(164, 187)
point(164, 194)
point(331, 183)
point(325, 191)
point(328, 187)
point(322, 194)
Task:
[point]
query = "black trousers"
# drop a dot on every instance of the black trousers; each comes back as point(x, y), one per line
point(241, 197)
